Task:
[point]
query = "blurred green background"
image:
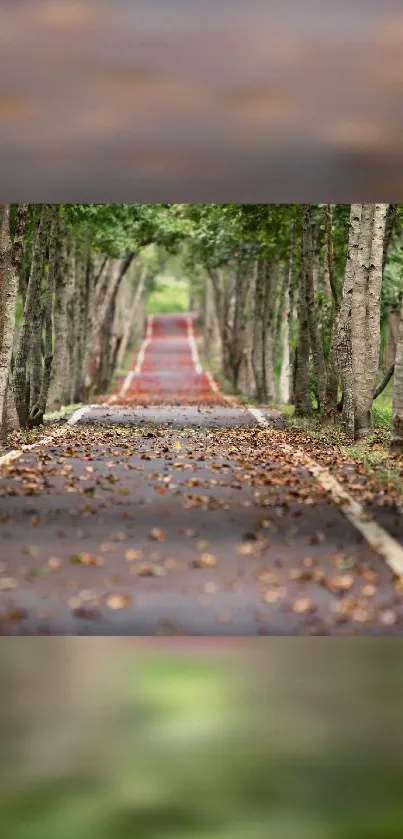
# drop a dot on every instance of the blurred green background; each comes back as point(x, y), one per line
point(282, 738)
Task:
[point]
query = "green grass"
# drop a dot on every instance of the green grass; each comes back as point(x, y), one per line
point(168, 295)
point(382, 408)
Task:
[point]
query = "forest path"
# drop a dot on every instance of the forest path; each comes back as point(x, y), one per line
point(171, 509)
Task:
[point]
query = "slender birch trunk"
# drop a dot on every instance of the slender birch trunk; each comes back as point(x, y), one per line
point(238, 342)
point(271, 285)
point(258, 330)
point(10, 266)
point(311, 307)
point(397, 420)
point(285, 380)
point(365, 316)
point(20, 382)
point(62, 278)
point(38, 409)
point(343, 326)
point(79, 324)
point(302, 391)
point(130, 322)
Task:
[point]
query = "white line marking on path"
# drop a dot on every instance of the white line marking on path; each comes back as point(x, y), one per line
point(81, 412)
point(378, 539)
point(193, 346)
point(140, 358)
point(5, 459)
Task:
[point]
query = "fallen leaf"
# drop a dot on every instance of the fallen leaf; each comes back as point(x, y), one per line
point(341, 582)
point(132, 555)
point(89, 596)
point(208, 560)
point(118, 601)
point(303, 605)
point(148, 570)
point(54, 563)
point(274, 595)
point(87, 559)
point(368, 590)
point(157, 534)
point(246, 548)
point(388, 617)
point(7, 583)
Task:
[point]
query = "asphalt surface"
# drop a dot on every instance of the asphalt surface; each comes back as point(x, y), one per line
point(181, 519)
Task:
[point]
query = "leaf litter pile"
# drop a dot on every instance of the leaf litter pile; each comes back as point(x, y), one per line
point(113, 524)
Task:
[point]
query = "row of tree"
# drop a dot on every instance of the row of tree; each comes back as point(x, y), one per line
point(73, 285)
point(295, 299)
point(292, 298)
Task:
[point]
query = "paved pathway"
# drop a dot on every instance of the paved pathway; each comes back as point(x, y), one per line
point(170, 509)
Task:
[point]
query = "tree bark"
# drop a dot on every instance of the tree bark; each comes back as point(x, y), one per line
point(10, 266)
point(130, 322)
point(38, 409)
point(330, 256)
point(271, 286)
point(62, 280)
point(332, 376)
point(285, 381)
point(33, 293)
point(343, 325)
point(258, 329)
point(238, 338)
point(396, 444)
point(302, 390)
point(365, 318)
point(79, 322)
point(390, 222)
point(94, 378)
point(281, 310)
point(315, 337)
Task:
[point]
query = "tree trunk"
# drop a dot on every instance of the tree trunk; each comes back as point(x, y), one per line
point(257, 348)
point(343, 325)
point(212, 332)
point(62, 280)
point(33, 293)
point(79, 321)
point(384, 381)
point(365, 317)
point(285, 380)
point(291, 307)
point(130, 322)
point(10, 266)
point(103, 304)
point(332, 376)
point(302, 389)
point(311, 308)
point(67, 392)
point(246, 381)
point(38, 409)
point(390, 222)
point(271, 286)
point(281, 313)
point(238, 337)
point(397, 421)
